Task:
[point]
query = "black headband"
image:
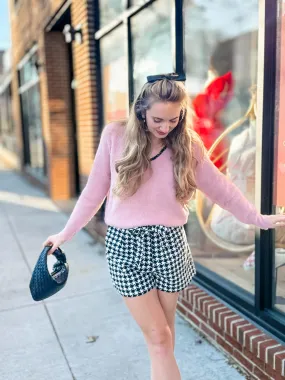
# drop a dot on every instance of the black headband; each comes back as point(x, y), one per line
point(171, 76)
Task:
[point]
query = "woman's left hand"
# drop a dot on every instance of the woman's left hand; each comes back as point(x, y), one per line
point(273, 221)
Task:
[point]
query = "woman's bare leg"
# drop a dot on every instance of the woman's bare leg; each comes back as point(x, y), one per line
point(168, 302)
point(148, 312)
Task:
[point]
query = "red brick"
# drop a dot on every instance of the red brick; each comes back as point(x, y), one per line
point(242, 333)
point(249, 335)
point(224, 316)
point(260, 374)
point(215, 327)
point(230, 323)
point(263, 346)
point(226, 345)
point(194, 319)
point(204, 302)
point(278, 361)
point(236, 328)
point(214, 313)
point(260, 364)
point(200, 300)
point(186, 304)
point(271, 372)
point(191, 294)
point(209, 306)
point(270, 354)
point(210, 332)
point(255, 342)
point(195, 295)
point(233, 342)
point(243, 360)
point(201, 316)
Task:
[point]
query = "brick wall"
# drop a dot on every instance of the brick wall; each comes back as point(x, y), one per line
point(82, 12)
point(57, 117)
point(87, 104)
point(253, 349)
point(28, 21)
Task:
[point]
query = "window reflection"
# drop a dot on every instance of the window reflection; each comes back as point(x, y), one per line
point(31, 115)
point(110, 10)
point(221, 68)
point(115, 76)
point(7, 132)
point(152, 49)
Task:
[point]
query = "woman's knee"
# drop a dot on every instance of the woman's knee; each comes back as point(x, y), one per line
point(160, 339)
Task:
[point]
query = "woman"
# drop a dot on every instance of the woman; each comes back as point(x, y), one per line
point(149, 168)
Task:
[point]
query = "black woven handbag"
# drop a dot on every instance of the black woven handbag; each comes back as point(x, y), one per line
point(44, 284)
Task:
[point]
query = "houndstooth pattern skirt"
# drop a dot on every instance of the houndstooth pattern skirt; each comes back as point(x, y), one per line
point(148, 257)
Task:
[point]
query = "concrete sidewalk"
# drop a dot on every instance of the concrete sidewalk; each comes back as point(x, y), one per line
point(49, 340)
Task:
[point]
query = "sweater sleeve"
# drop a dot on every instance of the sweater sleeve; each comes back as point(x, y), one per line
point(222, 191)
point(95, 191)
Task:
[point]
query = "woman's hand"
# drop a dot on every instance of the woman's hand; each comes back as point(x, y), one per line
point(55, 241)
point(273, 221)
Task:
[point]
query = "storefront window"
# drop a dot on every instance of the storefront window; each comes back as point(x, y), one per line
point(221, 69)
point(31, 116)
point(110, 10)
point(152, 46)
point(28, 72)
point(115, 76)
point(32, 125)
point(279, 173)
point(7, 131)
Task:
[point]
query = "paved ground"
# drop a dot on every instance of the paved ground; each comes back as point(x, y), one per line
point(48, 340)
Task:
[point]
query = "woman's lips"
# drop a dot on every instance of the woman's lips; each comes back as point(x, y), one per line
point(162, 133)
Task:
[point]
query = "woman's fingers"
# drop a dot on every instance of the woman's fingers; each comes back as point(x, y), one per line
point(273, 221)
point(50, 242)
point(276, 220)
point(53, 248)
point(54, 241)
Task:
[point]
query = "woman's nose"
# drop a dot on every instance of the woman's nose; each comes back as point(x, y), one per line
point(164, 128)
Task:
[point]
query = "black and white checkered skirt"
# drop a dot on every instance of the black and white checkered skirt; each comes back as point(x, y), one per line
point(143, 258)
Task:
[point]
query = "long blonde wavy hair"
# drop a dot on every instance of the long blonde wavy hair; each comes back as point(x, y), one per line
point(135, 161)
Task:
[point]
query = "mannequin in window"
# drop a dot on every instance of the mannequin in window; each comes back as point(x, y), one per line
point(241, 171)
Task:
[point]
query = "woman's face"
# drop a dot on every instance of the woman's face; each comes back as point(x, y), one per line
point(162, 118)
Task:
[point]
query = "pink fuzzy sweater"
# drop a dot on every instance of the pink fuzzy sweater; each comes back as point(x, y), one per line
point(155, 201)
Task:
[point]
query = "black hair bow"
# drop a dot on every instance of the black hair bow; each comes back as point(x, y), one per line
point(171, 76)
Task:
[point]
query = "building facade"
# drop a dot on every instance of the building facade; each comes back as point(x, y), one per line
point(77, 65)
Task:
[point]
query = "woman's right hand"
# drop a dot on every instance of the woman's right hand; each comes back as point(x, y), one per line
point(55, 241)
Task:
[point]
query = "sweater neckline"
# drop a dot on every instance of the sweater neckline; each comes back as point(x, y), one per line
point(158, 154)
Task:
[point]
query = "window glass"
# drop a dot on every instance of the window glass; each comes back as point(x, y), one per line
point(31, 117)
point(137, 2)
point(279, 172)
point(110, 10)
point(115, 76)
point(29, 71)
point(31, 111)
point(7, 131)
point(221, 70)
point(152, 47)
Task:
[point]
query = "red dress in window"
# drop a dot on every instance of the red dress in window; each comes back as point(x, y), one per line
point(207, 107)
